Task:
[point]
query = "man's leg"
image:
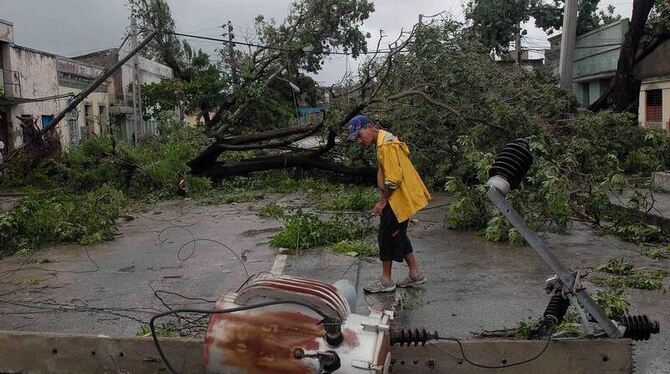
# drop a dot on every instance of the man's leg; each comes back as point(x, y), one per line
point(384, 283)
point(386, 270)
point(413, 266)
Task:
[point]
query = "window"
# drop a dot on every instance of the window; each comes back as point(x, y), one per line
point(654, 105)
point(46, 121)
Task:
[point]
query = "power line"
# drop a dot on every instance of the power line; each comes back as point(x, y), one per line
point(219, 40)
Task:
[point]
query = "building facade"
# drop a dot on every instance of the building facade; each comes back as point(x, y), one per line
point(595, 62)
point(121, 92)
point(654, 72)
point(39, 84)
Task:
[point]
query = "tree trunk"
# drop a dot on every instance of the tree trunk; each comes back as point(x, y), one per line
point(241, 167)
point(207, 158)
point(623, 92)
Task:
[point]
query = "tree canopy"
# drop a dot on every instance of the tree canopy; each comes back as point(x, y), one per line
point(496, 23)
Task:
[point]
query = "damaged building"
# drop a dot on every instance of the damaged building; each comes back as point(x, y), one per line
point(39, 84)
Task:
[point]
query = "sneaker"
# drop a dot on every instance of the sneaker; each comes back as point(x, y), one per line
point(380, 286)
point(411, 281)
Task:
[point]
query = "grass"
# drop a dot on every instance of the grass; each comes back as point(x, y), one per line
point(356, 248)
point(306, 230)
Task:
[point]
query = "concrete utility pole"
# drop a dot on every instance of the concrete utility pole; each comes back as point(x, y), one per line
point(98, 81)
point(517, 46)
point(567, 59)
point(232, 60)
point(137, 94)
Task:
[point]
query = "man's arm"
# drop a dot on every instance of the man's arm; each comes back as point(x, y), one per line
point(389, 176)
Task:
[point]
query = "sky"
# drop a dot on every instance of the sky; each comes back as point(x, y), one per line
point(75, 27)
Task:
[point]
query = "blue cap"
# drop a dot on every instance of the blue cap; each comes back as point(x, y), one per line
point(355, 125)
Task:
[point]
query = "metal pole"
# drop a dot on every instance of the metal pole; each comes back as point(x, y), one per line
point(567, 58)
point(106, 74)
point(556, 266)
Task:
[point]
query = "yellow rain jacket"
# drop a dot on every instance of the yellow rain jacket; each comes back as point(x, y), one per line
point(397, 173)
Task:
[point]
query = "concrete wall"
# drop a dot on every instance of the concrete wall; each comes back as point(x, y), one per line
point(597, 52)
point(40, 74)
point(37, 353)
point(656, 65)
point(655, 84)
point(6, 31)
point(36, 72)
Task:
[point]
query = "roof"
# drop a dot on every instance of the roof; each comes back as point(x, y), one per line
point(96, 53)
point(599, 29)
point(61, 58)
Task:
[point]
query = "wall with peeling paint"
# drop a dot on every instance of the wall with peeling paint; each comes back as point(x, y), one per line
point(34, 76)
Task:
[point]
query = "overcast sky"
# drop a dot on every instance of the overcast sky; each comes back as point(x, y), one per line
point(73, 27)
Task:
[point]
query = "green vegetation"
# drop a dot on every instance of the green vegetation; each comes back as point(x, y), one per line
point(356, 248)
point(656, 253)
point(613, 302)
point(570, 327)
point(306, 230)
point(616, 266)
point(271, 210)
point(167, 329)
point(523, 328)
point(624, 275)
point(640, 279)
point(351, 198)
point(636, 232)
point(46, 218)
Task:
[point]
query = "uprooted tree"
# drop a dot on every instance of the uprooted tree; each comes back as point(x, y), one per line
point(313, 30)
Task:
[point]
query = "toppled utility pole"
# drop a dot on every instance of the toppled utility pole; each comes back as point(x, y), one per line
point(106, 74)
point(137, 93)
point(567, 59)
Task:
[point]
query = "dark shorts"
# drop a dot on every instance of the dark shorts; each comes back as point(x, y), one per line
point(392, 237)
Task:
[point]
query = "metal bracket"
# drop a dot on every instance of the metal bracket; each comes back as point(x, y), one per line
point(360, 364)
point(556, 266)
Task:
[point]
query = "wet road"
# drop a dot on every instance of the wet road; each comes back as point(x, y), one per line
point(474, 284)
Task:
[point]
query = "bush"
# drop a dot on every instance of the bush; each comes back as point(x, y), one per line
point(469, 210)
point(305, 230)
point(43, 218)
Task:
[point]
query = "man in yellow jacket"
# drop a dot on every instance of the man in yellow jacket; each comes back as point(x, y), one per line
point(403, 193)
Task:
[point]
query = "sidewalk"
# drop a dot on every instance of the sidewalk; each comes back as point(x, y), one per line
point(658, 214)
